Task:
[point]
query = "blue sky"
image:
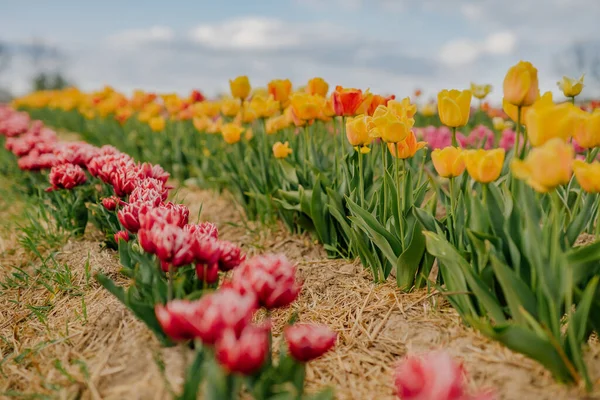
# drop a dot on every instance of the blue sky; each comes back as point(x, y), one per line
point(390, 46)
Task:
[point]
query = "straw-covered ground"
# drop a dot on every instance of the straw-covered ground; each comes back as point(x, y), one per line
point(68, 338)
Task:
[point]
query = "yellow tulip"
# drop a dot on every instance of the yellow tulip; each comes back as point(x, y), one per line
point(247, 114)
point(157, 124)
point(275, 124)
point(201, 123)
point(449, 162)
point(206, 108)
point(501, 124)
point(407, 148)
point(215, 127)
point(402, 108)
point(280, 89)
point(521, 84)
point(428, 110)
point(454, 107)
point(388, 126)
point(317, 86)
point(547, 121)
point(281, 150)
point(571, 87)
point(547, 166)
point(587, 128)
point(230, 107)
point(306, 106)
point(357, 130)
point(240, 87)
point(587, 175)
point(264, 107)
point(484, 166)
point(232, 133)
point(480, 91)
point(511, 110)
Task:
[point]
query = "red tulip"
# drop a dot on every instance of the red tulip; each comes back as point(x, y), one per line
point(153, 184)
point(110, 203)
point(272, 278)
point(79, 153)
point(203, 229)
point(66, 176)
point(230, 256)
point(164, 216)
point(244, 353)
point(143, 195)
point(225, 309)
point(123, 181)
point(208, 273)
point(129, 215)
point(121, 235)
point(174, 319)
point(196, 96)
point(433, 376)
point(182, 211)
point(148, 170)
point(346, 101)
point(206, 249)
point(308, 341)
point(171, 244)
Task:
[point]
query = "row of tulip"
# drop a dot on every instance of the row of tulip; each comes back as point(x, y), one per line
point(350, 169)
point(175, 268)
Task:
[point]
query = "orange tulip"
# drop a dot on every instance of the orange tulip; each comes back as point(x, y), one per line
point(377, 101)
point(406, 148)
point(280, 89)
point(232, 133)
point(346, 101)
point(306, 107)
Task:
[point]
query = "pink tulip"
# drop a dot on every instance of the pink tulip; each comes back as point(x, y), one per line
point(79, 153)
point(143, 195)
point(434, 376)
point(66, 176)
point(230, 256)
point(148, 170)
point(203, 229)
point(225, 309)
point(208, 273)
point(170, 243)
point(174, 319)
point(271, 278)
point(309, 341)
point(162, 215)
point(124, 181)
point(129, 215)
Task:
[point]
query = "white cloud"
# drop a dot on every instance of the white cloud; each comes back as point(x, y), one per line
point(135, 37)
point(465, 51)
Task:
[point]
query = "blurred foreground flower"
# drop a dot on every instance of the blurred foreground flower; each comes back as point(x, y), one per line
point(309, 341)
point(588, 175)
point(433, 376)
point(547, 166)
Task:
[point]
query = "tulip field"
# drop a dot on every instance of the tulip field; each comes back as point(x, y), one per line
point(301, 243)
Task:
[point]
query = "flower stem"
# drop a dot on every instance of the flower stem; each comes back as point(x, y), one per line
point(573, 100)
point(451, 211)
point(170, 287)
point(398, 204)
point(361, 182)
point(454, 141)
point(383, 169)
point(517, 132)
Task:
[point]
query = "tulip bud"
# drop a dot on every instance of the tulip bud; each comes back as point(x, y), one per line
point(121, 235)
point(240, 87)
point(110, 203)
